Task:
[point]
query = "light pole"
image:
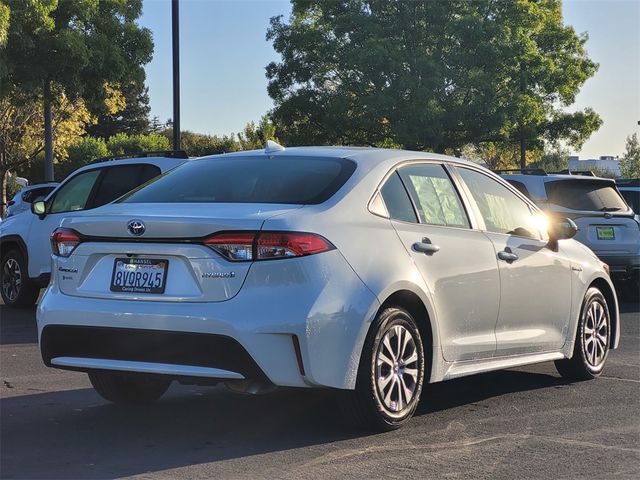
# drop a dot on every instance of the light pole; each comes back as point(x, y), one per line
point(175, 38)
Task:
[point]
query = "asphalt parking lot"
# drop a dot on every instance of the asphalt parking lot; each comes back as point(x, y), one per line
point(520, 423)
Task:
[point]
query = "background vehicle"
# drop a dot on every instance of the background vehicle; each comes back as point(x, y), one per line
point(630, 189)
point(606, 224)
point(22, 200)
point(25, 262)
point(368, 271)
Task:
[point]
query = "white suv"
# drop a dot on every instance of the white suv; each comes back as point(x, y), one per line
point(25, 251)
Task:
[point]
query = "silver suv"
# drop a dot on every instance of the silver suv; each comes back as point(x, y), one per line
point(606, 224)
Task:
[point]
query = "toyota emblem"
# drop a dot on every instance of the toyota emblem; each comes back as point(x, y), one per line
point(136, 227)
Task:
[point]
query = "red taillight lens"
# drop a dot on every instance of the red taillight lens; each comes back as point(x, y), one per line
point(64, 241)
point(248, 246)
point(286, 244)
point(237, 246)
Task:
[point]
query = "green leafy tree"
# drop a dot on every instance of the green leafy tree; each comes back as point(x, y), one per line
point(124, 144)
point(630, 161)
point(132, 118)
point(428, 75)
point(552, 160)
point(255, 136)
point(81, 50)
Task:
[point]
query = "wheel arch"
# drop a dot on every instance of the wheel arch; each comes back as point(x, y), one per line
point(610, 296)
point(420, 311)
point(9, 242)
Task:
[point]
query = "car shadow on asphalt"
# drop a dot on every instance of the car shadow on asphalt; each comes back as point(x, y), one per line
point(81, 436)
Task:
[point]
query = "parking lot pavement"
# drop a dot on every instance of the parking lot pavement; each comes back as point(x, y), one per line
point(520, 423)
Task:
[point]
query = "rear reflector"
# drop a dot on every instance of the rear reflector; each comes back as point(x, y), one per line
point(249, 246)
point(64, 241)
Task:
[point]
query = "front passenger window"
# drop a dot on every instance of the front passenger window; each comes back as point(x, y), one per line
point(74, 194)
point(501, 209)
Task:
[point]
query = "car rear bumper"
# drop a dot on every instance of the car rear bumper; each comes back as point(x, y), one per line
point(622, 267)
point(317, 302)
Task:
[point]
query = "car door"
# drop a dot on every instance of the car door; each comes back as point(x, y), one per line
point(535, 300)
point(84, 191)
point(73, 195)
point(456, 261)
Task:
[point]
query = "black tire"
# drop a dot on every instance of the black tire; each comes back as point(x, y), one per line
point(589, 356)
point(366, 407)
point(128, 389)
point(15, 288)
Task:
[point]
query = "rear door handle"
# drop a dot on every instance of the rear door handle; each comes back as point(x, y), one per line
point(426, 247)
point(507, 256)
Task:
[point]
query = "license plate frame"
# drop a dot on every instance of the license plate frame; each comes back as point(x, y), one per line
point(605, 233)
point(133, 265)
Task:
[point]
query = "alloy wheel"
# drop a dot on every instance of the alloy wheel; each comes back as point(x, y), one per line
point(595, 337)
point(396, 369)
point(11, 279)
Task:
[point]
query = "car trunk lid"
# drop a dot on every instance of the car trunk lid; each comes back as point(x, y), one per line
point(170, 251)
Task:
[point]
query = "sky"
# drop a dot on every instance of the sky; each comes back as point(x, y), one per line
point(223, 53)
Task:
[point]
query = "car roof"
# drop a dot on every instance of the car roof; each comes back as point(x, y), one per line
point(367, 157)
point(40, 185)
point(164, 163)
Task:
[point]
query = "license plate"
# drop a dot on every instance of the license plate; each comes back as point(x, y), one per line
point(139, 275)
point(605, 233)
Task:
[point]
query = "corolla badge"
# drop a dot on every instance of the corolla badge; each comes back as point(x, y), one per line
point(136, 227)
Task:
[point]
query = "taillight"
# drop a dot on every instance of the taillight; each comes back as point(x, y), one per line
point(249, 246)
point(236, 246)
point(64, 241)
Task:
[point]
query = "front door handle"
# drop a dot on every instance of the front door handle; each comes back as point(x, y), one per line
point(426, 247)
point(507, 256)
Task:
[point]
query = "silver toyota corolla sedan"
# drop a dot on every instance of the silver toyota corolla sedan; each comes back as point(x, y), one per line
point(367, 271)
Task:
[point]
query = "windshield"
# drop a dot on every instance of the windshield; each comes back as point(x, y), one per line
point(287, 180)
point(593, 195)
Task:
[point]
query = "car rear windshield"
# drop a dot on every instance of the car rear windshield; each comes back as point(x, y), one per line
point(593, 195)
point(289, 180)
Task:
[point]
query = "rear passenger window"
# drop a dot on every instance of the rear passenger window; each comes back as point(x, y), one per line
point(397, 200)
point(435, 196)
point(119, 180)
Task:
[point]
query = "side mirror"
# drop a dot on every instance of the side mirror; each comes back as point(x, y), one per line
point(561, 229)
point(39, 208)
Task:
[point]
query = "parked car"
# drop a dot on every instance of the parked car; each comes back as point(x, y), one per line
point(25, 262)
point(606, 224)
point(630, 189)
point(22, 200)
point(367, 271)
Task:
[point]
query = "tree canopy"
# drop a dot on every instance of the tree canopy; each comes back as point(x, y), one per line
point(630, 161)
point(75, 56)
point(428, 75)
point(81, 46)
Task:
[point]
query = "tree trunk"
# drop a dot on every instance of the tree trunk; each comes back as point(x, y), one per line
point(48, 134)
point(523, 152)
point(4, 174)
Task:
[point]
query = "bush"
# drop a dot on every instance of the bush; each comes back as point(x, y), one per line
point(198, 145)
point(80, 153)
point(124, 144)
